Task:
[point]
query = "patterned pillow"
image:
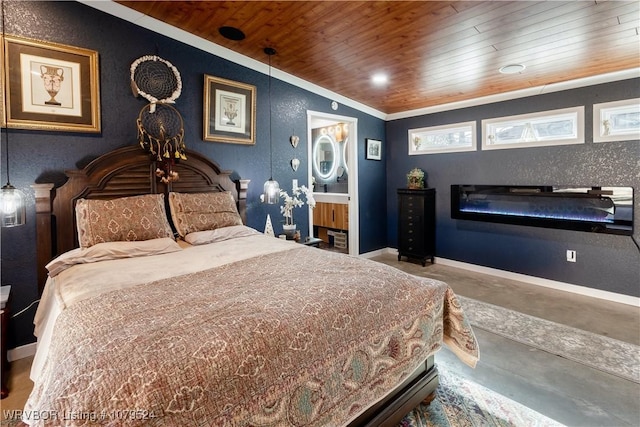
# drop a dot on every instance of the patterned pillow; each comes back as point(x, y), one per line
point(193, 212)
point(124, 219)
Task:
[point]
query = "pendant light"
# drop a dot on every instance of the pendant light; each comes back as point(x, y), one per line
point(12, 201)
point(271, 193)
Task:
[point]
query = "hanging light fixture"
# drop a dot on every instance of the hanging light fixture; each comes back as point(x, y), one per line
point(271, 193)
point(12, 201)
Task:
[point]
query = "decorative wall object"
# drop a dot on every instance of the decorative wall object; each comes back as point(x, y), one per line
point(51, 86)
point(294, 164)
point(160, 125)
point(374, 149)
point(229, 111)
point(294, 141)
point(161, 133)
point(156, 80)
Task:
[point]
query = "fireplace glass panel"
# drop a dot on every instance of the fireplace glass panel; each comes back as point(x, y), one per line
point(594, 209)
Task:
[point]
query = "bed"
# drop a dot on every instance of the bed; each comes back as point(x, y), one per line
point(224, 325)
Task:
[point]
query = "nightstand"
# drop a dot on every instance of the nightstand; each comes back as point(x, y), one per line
point(5, 313)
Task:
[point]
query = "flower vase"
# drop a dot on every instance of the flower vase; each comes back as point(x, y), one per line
point(289, 230)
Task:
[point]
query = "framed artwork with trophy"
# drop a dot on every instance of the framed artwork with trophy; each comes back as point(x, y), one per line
point(229, 111)
point(50, 86)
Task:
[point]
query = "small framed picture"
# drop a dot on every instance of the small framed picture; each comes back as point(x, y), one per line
point(229, 111)
point(51, 86)
point(374, 149)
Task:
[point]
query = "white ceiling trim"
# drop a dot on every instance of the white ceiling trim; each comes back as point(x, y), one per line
point(137, 18)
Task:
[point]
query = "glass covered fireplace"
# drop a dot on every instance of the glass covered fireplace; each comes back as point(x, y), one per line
point(593, 209)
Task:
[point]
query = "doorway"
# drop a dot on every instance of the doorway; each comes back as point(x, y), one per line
point(332, 143)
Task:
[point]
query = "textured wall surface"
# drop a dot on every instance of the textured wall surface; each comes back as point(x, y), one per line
point(37, 156)
point(605, 262)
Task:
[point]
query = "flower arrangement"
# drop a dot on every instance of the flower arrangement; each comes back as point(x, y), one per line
point(295, 201)
point(415, 178)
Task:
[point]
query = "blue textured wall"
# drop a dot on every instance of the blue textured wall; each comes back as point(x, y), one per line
point(605, 262)
point(38, 156)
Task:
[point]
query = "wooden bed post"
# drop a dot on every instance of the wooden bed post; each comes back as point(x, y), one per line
point(44, 238)
point(243, 186)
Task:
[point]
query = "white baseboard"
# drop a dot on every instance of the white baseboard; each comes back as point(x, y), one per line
point(539, 281)
point(21, 352)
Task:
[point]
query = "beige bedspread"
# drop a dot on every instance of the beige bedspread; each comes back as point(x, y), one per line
point(296, 337)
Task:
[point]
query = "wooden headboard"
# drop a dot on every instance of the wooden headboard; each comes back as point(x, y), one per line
point(127, 171)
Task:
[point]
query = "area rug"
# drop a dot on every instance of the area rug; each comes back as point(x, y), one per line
point(596, 351)
point(463, 403)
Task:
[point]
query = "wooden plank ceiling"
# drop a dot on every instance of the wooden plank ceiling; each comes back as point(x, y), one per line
point(434, 52)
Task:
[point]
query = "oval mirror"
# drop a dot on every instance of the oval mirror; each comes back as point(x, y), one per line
point(345, 154)
point(324, 156)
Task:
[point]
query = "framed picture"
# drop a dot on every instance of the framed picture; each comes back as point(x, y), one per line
point(374, 149)
point(229, 111)
point(50, 86)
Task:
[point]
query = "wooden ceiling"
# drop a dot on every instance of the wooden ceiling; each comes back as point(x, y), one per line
point(434, 52)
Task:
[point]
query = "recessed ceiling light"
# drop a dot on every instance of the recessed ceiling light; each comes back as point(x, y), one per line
point(512, 69)
point(232, 33)
point(379, 79)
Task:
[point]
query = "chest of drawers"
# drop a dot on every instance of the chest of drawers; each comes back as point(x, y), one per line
point(417, 224)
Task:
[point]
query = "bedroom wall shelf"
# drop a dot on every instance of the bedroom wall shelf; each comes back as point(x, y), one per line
point(592, 209)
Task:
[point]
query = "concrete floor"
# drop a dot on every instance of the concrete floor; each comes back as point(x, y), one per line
point(566, 391)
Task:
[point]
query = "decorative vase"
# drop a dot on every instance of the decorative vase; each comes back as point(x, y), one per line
point(52, 77)
point(289, 230)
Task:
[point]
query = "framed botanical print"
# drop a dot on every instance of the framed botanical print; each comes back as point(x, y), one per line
point(229, 111)
point(51, 86)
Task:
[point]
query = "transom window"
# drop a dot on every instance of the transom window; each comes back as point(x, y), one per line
point(616, 121)
point(556, 127)
point(443, 139)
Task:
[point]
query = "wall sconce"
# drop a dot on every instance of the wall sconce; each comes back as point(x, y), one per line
point(13, 210)
point(271, 193)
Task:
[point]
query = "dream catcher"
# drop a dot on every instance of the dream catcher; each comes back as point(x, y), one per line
point(160, 126)
point(161, 133)
point(156, 80)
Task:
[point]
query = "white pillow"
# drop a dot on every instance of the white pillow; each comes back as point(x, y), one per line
point(111, 250)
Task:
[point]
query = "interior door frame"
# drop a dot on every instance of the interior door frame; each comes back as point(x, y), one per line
point(314, 120)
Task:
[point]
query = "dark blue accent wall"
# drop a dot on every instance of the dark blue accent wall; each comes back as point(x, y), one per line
point(37, 156)
point(605, 262)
